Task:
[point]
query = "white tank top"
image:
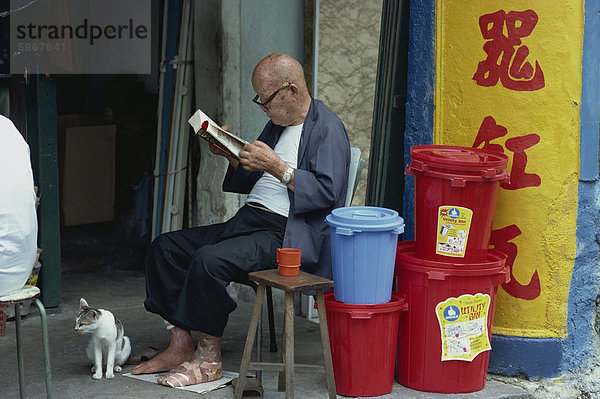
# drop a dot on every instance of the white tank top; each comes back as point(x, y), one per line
point(268, 190)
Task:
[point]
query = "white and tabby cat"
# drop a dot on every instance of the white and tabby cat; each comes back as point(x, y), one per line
point(108, 339)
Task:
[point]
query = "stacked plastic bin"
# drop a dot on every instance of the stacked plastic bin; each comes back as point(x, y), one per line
point(362, 312)
point(448, 274)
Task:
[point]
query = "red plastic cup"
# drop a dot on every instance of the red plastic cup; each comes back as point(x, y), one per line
point(288, 260)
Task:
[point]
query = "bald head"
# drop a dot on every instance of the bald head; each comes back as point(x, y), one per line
point(290, 105)
point(277, 68)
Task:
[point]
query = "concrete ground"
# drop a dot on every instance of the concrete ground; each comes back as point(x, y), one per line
point(103, 264)
point(122, 292)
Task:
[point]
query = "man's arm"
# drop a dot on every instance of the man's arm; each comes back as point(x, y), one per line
point(322, 182)
point(240, 180)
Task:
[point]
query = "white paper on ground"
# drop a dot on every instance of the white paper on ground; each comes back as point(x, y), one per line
point(198, 388)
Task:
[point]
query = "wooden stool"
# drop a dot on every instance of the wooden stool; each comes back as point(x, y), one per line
point(302, 282)
point(26, 294)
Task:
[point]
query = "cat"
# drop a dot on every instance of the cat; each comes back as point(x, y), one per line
point(108, 339)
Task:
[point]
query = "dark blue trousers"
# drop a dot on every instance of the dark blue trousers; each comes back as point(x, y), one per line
point(187, 271)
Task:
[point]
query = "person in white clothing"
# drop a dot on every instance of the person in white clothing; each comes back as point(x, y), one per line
point(18, 219)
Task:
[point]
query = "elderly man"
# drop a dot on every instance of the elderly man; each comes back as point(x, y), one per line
point(295, 173)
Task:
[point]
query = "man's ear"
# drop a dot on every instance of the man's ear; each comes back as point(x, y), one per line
point(294, 89)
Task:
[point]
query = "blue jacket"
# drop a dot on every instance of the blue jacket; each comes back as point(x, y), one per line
point(320, 184)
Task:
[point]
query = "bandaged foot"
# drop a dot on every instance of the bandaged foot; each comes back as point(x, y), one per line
point(192, 374)
point(203, 366)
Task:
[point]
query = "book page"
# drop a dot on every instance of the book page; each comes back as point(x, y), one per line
point(210, 131)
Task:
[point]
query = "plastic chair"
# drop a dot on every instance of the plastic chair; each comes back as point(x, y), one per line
point(354, 171)
point(27, 294)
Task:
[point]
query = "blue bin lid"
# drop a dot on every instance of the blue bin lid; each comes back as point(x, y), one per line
point(366, 218)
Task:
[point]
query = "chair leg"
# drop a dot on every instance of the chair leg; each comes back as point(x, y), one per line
point(20, 364)
point(259, 347)
point(289, 345)
point(326, 345)
point(45, 343)
point(281, 376)
point(258, 303)
point(272, 335)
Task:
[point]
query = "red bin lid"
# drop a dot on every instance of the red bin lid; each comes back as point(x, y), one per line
point(405, 254)
point(459, 156)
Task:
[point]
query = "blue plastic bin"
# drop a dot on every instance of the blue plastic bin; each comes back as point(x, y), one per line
point(363, 251)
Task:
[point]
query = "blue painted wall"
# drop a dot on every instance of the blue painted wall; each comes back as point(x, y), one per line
point(579, 345)
point(419, 95)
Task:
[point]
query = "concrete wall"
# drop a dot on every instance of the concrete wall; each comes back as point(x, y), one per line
point(348, 50)
point(346, 75)
point(212, 204)
point(231, 37)
point(528, 105)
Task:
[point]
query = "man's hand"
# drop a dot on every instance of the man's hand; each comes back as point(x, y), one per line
point(217, 151)
point(258, 156)
point(213, 148)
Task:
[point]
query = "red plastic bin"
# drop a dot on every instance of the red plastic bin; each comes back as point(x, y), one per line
point(458, 301)
point(363, 342)
point(456, 190)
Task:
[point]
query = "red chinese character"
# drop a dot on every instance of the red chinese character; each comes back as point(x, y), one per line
point(518, 177)
point(503, 62)
point(490, 130)
point(500, 240)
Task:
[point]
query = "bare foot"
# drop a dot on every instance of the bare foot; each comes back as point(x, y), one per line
point(180, 349)
point(203, 366)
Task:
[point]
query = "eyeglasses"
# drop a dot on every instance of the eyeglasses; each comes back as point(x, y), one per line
point(271, 97)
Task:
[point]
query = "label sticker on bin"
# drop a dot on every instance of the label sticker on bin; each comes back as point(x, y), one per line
point(463, 326)
point(453, 230)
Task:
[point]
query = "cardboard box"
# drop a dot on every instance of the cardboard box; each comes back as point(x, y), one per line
point(87, 169)
point(76, 120)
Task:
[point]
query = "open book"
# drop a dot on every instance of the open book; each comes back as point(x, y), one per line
point(211, 132)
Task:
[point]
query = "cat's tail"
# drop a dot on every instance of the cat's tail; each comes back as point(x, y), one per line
point(120, 328)
point(125, 350)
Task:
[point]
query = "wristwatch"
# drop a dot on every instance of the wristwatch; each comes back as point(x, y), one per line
point(287, 176)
